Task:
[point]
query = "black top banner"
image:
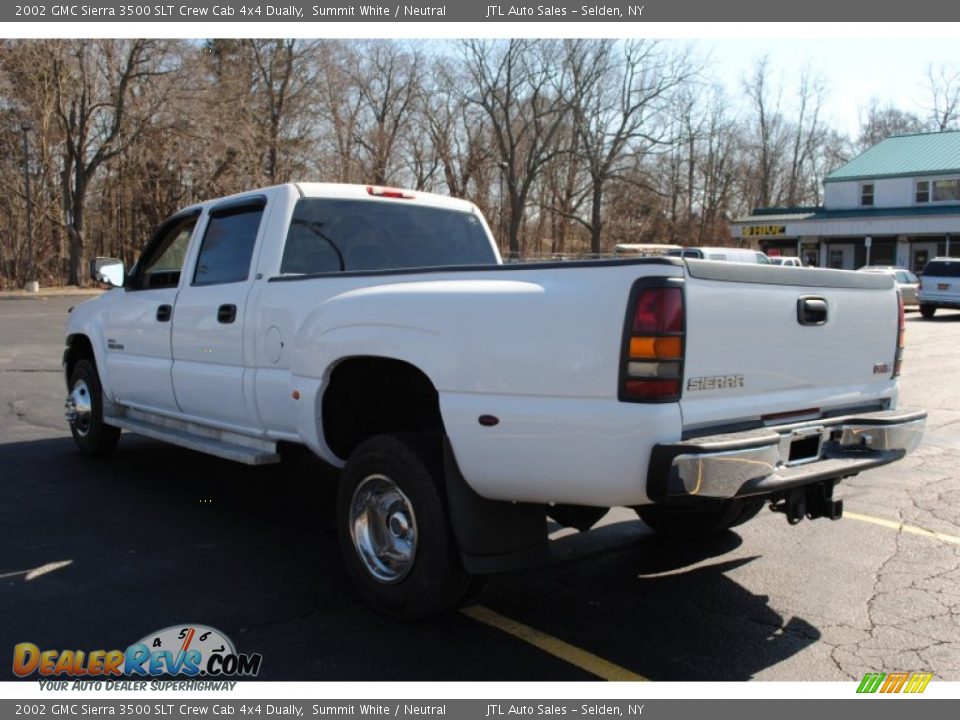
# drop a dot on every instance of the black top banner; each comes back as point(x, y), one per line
point(638, 11)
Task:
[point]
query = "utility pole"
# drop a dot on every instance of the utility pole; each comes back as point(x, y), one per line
point(32, 284)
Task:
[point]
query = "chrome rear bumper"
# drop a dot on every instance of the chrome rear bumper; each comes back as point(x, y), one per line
point(767, 460)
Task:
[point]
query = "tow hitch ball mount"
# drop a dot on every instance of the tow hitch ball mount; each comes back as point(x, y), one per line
point(812, 501)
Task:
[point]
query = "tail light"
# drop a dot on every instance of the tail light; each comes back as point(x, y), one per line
point(901, 336)
point(651, 367)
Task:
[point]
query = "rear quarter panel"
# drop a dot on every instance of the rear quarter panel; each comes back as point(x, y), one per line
point(537, 347)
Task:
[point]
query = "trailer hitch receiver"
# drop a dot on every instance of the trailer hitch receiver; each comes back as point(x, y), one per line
point(813, 501)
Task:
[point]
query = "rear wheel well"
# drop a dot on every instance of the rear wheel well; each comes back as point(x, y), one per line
point(370, 396)
point(78, 348)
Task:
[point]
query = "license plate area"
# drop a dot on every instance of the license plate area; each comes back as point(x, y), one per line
point(943, 286)
point(803, 446)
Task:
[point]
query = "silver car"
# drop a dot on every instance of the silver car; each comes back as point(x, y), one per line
point(907, 283)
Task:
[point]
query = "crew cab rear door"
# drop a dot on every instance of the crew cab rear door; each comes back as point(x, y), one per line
point(769, 344)
point(210, 314)
point(137, 330)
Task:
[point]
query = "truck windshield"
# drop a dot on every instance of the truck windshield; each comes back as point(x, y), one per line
point(329, 235)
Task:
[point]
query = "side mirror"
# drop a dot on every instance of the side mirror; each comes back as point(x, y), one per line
point(107, 270)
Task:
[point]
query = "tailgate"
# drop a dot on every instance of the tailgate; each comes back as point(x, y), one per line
point(794, 342)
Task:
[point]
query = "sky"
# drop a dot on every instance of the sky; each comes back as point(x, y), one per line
point(854, 70)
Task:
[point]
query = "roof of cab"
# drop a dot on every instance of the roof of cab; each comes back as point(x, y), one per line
point(368, 192)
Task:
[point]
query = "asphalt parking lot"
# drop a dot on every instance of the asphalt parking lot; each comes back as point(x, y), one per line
point(97, 554)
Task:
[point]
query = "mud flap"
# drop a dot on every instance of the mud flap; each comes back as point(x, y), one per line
point(493, 535)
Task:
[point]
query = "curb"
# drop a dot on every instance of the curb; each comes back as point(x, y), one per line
point(50, 292)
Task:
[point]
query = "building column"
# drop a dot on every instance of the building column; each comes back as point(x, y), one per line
point(902, 257)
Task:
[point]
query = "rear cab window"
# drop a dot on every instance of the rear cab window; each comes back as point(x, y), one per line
point(943, 268)
point(332, 235)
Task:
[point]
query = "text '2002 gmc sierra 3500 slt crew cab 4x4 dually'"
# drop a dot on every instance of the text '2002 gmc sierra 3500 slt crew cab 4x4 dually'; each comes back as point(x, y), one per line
point(465, 400)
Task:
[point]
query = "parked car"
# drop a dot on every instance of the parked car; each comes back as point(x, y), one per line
point(939, 286)
point(907, 283)
point(466, 400)
point(739, 255)
point(786, 261)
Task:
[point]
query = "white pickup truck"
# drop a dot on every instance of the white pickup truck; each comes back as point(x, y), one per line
point(467, 401)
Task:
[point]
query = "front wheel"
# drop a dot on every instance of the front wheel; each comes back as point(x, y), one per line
point(394, 531)
point(927, 311)
point(85, 412)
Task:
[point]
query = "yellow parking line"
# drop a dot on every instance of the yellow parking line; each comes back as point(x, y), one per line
point(582, 659)
point(900, 527)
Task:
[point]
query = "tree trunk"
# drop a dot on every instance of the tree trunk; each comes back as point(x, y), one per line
point(516, 220)
point(74, 207)
point(596, 216)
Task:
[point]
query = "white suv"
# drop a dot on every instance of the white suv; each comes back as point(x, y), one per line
point(786, 261)
point(939, 286)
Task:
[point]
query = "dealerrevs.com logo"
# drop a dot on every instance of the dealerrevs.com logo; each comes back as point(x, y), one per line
point(187, 650)
point(898, 682)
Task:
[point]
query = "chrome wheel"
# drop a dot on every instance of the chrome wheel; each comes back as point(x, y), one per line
point(80, 408)
point(383, 527)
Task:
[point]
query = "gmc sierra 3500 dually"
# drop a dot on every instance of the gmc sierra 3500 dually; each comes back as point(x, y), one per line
point(466, 400)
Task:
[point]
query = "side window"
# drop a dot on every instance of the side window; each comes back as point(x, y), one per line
point(227, 247)
point(163, 261)
point(309, 250)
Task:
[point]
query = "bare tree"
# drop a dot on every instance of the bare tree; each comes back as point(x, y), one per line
point(769, 139)
point(339, 105)
point(28, 98)
point(833, 150)
point(716, 155)
point(620, 94)
point(459, 131)
point(520, 85)
point(103, 105)
point(883, 122)
point(284, 81)
point(389, 80)
point(807, 136)
point(944, 86)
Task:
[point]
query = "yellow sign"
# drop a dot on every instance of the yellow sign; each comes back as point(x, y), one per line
point(756, 230)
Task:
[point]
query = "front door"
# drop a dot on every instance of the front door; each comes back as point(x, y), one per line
point(840, 257)
point(137, 330)
point(208, 325)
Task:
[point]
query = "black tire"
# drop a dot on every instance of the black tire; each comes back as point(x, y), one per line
point(748, 511)
point(90, 434)
point(686, 524)
point(927, 311)
point(393, 484)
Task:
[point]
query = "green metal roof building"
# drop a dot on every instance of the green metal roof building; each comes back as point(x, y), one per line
point(897, 203)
